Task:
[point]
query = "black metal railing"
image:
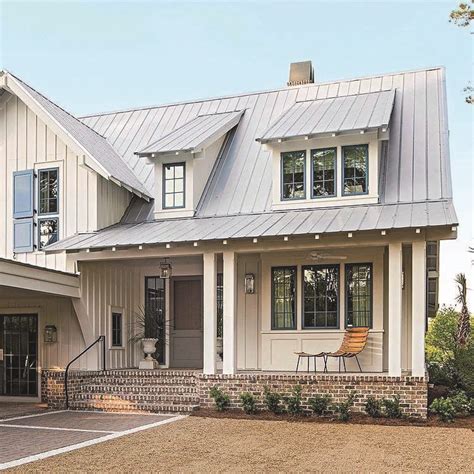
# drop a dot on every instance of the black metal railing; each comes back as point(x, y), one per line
point(99, 339)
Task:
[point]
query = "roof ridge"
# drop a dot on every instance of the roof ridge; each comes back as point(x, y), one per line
point(264, 91)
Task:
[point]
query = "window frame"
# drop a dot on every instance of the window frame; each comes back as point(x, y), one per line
point(48, 217)
point(295, 303)
point(282, 197)
point(346, 294)
point(38, 172)
point(334, 148)
point(114, 311)
point(343, 148)
point(337, 266)
point(164, 193)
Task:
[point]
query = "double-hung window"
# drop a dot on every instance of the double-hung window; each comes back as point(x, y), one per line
point(355, 168)
point(284, 298)
point(173, 185)
point(293, 175)
point(117, 329)
point(359, 295)
point(48, 207)
point(324, 172)
point(320, 296)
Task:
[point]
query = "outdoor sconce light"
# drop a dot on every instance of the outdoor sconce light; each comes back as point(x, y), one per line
point(249, 283)
point(165, 270)
point(50, 333)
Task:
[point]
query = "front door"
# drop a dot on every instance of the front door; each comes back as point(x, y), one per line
point(186, 341)
point(18, 355)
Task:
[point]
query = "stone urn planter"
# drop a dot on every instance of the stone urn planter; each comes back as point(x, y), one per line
point(220, 348)
point(149, 348)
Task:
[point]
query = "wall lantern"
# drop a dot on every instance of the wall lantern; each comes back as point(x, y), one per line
point(165, 270)
point(50, 333)
point(249, 283)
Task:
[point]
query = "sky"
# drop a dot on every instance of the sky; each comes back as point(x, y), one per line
point(100, 56)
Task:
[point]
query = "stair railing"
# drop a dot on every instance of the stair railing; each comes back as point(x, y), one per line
point(99, 339)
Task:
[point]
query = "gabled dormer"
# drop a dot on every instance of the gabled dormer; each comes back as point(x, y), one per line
point(327, 152)
point(183, 161)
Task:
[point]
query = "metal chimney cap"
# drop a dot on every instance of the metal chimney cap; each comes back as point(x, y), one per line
point(301, 73)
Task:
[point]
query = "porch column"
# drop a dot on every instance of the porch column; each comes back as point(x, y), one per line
point(418, 309)
point(229, 324)
point(395, 309)
point(210, 313)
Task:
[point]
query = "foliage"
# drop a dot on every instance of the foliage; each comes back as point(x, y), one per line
point(441, 336)
point(148, 325)
point(249, 403)
point(457, 404)
point(320, 403)
point(221, 399)
point(461, 403)
point(392, 407)
point(272, 400)
point(464, 324)
point(293, 402)
point(343, 409)
point(463, 368)
point(444, 408)
point(462, 15)
point(373, 407)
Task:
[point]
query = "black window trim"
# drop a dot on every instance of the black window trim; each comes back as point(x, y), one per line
point(112, 345)
point(38, 174)
point(273, 327)
point(304, 176)
point(47, 217)
point(323, 328)
point(343, 148)
point(163, 197)
point(312, 172)
point(346, 293)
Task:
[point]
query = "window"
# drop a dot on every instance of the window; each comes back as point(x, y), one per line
point(48, 205)
point(432, 256)
point(220, 304)
point(359, 295)
point(320, 296)
point(432, 297)
point(284, 298)
point(48, 231)
point(116, 329)
point(293, 165)
point(355, 164)
point(173, 185)
point(324, 172)
point(155, 305)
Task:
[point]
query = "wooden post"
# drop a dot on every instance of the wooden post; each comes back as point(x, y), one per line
point(229, 326)
point(210, 313)
point(418, 312)
point(395, 309)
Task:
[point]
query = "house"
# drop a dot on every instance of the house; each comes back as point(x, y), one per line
point(255, 225)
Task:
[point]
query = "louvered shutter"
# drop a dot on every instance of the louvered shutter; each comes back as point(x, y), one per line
point(23, 235)
point(23, 194)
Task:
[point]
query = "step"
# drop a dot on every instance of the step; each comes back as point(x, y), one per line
point(135, 389)
point(176, 381)
point(142, 397)
point(119, 405)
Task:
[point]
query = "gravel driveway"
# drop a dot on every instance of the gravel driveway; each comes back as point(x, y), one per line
point(206, 444)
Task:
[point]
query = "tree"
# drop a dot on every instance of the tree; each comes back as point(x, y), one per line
point(462, 17)
point(464, 324)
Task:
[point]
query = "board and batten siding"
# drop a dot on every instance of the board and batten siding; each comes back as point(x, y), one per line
point(87, 202)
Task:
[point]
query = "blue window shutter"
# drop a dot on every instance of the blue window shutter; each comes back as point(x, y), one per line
point(23, 235)
point(23, 194)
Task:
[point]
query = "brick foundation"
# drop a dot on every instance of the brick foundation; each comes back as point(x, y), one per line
point(170, 390)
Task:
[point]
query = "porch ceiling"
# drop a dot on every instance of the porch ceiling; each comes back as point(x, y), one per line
point(304, 222)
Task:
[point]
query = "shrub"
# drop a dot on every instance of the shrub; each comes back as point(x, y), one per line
point(249, 403)
point(373, 407)
point(293, 402)
point(392, 407)
point(463, 364)
point(343, 409)
point(319, 403)
point(221, 399)
point(272, 400)
point(443, 407)
point(441, 336)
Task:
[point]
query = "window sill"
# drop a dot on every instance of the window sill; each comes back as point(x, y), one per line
point(326, 202)
point(313, 331)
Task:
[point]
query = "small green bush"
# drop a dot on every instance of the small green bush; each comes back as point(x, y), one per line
point(373, 407)
point(272, 400)
point(320, 403)
point(392, 407)
point(343, 409)
point(461, 403)
point(249, 403)
point(293, 402)
point(443, 407)
point(221, 399)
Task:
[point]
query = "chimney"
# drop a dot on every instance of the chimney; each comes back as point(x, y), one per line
point(301, 73)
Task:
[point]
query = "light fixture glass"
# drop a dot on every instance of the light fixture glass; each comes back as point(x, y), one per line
point(249, 283)
point(50, 333)
point(165, 270)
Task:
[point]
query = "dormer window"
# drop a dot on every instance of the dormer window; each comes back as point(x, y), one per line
point(293, 165)
point(173, 185)
point(323, 164)
point(355, 169)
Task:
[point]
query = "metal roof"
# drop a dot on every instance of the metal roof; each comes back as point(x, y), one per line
point(89, 140)
point(287, 223)
point(311, 118)
point(196, 134)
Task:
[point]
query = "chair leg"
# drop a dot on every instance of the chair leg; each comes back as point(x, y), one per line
point(298, 364)
point(358, 363)
point(339, 362)
point(344, 362)
point(325, 358)
point(308, 365)
point(315, 358)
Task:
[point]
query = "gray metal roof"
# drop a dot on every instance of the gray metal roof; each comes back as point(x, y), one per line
point(287, 223)
point(93, 143)
point(196, 134)
point(311, 118)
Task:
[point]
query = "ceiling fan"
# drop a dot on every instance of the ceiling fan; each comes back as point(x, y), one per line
point(316, 256)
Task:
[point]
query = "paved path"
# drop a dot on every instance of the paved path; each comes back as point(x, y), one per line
point(27, 438)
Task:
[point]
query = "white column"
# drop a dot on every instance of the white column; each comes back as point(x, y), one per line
point(229, 325)
point(210, 313)
point(418, 309)
point(395, 309)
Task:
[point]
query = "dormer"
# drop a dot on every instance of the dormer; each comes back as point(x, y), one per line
point(183, 161)
point(327, 152)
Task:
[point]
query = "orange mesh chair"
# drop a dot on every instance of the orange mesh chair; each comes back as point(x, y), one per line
point(354, 342)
